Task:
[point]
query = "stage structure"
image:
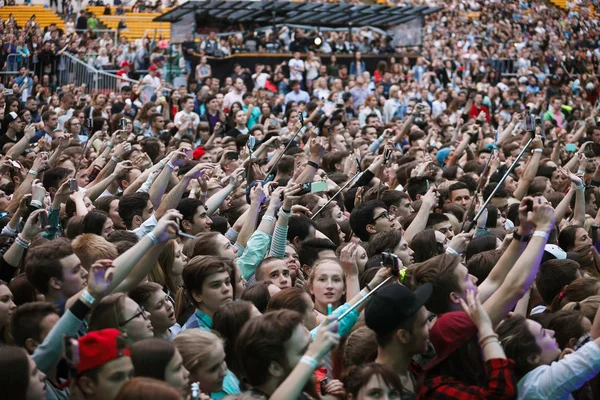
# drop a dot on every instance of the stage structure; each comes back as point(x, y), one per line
point(403, 24)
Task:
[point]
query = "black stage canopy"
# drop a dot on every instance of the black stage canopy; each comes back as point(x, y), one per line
point(283, 12)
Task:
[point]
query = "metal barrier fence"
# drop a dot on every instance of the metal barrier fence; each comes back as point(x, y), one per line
point(504, 66)
point(72, 70)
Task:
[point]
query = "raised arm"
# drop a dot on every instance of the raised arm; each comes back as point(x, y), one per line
point(530, 169)
point(429, 202)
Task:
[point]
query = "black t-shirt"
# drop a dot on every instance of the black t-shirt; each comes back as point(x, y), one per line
point(5, 139)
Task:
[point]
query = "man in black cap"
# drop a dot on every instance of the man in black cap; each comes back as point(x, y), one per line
point(13, 127)
point(401, 324)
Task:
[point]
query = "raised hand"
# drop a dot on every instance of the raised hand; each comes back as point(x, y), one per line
point(475, 311)
point(326, 339)
point(63, 192)
point(38, 192)
point(316, 148)
point(572, 177)
point(177, 158)
point(167, 227)
point(33, 226)
point(121, 149)
point(198, 170)
point(237, 177)
point(542, 216)
point(348, 259)
point(123, 167)
point(431, 198)
point(257, 194)
point(459, 242)
point(290, 195)
point(100, 277)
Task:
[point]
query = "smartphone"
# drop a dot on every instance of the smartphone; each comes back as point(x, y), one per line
point(71, 351)
point(387, 154)
point(43, 218)
point(232, 155)
point(73, 185)
point(358, 167)
point(318, 187)
point(306, 187)
point(323, 385)
point(529, 123)
point(99, 274)
point(123, 123)
point(571, 147)
point(530, 205)
point(478, 122)
point(8, 92)
point(273, 122)
point(88, 123)
point(251, 143)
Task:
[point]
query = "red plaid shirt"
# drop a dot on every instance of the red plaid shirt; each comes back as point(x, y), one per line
point(501, 384)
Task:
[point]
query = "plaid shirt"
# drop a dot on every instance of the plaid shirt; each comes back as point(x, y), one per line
point(501, 384)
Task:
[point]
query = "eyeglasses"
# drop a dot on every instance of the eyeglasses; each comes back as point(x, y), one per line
point(141, 312)
point(384, 214)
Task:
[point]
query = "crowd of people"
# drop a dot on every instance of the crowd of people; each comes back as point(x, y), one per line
point(424, 230)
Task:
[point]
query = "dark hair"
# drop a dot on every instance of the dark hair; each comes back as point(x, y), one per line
point(26, 321)
point(480, 265)
point(329, 228)
point(393, 198)
point(43, 263)
point(15, 376)
point(53, 176)
point(199, 268)
point(228, 321)
point(258, 294)
point(417, 186)
point(439, 271)
point(299, 227)
point(147, 389)
point(363, 215)
point(202, 245)
point(383, 241)
point(358, 377)
point(150, 357)
point(553, 276)
point(457, 186)
point(309, 250)
point(188, 208)
point(94, 221)
point(426, 246)
point(103, 203)
point(22, 290)
point(142, 292)
point(566, 326)
point(265, 339)
point(519, 343)
point(566, 237)
point(288, 299)
point(132, 205)
point(480, 244)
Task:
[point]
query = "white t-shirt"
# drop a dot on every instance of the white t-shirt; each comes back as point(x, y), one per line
point(296, 75)
point(182, 117)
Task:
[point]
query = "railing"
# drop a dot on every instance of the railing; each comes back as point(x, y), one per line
point(504, 66)
point(72, 70)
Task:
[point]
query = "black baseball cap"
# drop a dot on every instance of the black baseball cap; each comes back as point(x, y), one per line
point(392, 305)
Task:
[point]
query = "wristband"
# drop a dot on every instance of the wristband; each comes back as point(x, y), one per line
point(21, 242)
point(115, 159)
point(489, 342)
point(203, 194)
point(88, 297)
point(109, 145)
point(79, 309)
point(537, 150)
point(580, 187)
point(286, 213)
point(313, 164)
point(541, 234)
point(521, 238)
point(580, 172)
point(36, 203)
point(269, 218)
point(450, 250)
point(170, 165)
point(363, 293)
point(32, 172)
point(312, 362)
point(152, 237)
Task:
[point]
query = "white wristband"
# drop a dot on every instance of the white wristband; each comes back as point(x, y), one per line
point(541, 234)
point(363, 293)
point(450, 250)
point(309, 361)
point(170, 165)
point(537, 151)
point(36, 203)
point(269, 218)
point(88, 297)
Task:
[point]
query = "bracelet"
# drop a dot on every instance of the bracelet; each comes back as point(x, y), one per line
point(368, 287)
point(269, 218)
point(285, 213)
point(490, 342)
point(152, 237)
point(580, 187)
point(109, 145)
point(486, 337)
point(450, 250)
point(541, 234)
point(32, 172)
point(87, 296)
point(36, 203)
point(537, 150)
point(115, 159)
point(308, 360)
point(312, 164)
point(521, 238)
point(580, 172)
point(21, 242)
point(170, 165)
point(363, 293)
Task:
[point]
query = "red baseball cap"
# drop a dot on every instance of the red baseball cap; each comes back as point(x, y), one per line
point(126, 64)
point(152, 68)
point(99, 347)
point(448, 334)
point(198, 153)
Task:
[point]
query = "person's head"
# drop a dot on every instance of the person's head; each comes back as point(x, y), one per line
point(277, 341)
point(527, 343)
point(7, 308)
point(210, 244)
point(148, 389)
point(110, 205)
point(300, 228)
point(157, 122)
point(372, 381)
point(31, 323)
point(298, 300)
point(427, 244)
point(208, 281)
point(187, 102)
point(117, 311)
point(391, 241)
point(274, 270)
point(441, 223)
point(195, 219)
point(569, 327)
point(98, 223)
point(458, 193)
point(160, 359)
point(399, 318)
point(54, 270)
point(228, 322)
point(312, 250)
point(54, 177)
point(50, 119)
point(573, 236)
point(449, 278)
point(20, 378)
point(553, 276)
point(104, 364)
point(203, 356)
point(398, 203)
point(370, 218)
point(156, 302)
point(327, 283)
point(134, 209)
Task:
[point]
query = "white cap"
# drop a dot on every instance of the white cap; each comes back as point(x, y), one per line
point(556, 251)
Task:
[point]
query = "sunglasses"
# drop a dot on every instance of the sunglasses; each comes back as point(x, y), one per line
point(141, 312)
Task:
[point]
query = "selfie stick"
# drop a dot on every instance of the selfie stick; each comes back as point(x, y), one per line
point(358, 303)
point(285, 149)
point(479, 186)
point(510, 169)
point(336, 194)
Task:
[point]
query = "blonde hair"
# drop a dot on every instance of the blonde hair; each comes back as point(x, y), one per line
point(311, 277)
point(587, 307)
point(91, 248)
point(195, 346)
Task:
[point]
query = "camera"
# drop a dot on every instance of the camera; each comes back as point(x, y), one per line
point(390, 260)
